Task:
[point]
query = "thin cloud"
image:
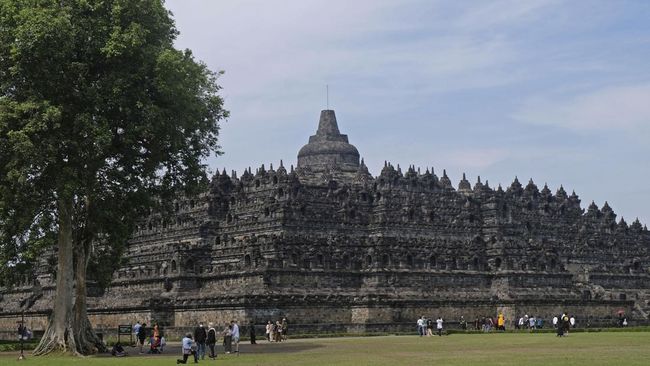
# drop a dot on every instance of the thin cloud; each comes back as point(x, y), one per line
point(620, 108)
point(502, 87)
point(503, 13)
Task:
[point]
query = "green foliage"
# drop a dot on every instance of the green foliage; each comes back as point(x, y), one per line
point(96, 103)
point(6, 346)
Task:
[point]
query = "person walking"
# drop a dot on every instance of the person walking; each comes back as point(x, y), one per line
point(200, 336)
point(136, 330)
point(439, 322)
point(142, 335)
point(211, 340)
point(188, 348)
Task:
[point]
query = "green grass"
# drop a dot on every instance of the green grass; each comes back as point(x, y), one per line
point(593, 349)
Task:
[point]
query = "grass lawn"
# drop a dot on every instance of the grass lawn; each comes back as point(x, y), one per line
point(604, 348)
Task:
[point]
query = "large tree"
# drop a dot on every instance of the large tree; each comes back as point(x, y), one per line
point(99, 113)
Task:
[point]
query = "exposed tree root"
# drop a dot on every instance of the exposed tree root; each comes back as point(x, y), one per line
point(52, 341)
point(87, 341)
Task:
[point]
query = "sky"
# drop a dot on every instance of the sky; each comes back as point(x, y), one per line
point(550, 90)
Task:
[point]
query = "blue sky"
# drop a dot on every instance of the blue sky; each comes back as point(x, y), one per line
point(557, 91)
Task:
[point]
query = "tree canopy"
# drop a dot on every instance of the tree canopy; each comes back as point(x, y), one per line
point(99, 116)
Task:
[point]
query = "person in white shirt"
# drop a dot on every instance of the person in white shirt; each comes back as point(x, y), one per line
point(269, 327)
point(555, 322)
point(136, 330)
point(573, 322)
point(420, 323)
point(439, 322)
point(235, 336)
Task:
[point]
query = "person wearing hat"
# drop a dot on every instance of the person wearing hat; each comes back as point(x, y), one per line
point(285, 329)
point(211, 341)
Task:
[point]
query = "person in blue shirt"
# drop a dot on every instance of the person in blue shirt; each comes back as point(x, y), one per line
point(235, 336)
point(189, 348)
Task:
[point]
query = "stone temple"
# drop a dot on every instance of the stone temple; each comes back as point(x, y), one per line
point(334, 249)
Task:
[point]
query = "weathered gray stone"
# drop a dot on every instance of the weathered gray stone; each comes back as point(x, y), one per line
point(333, 248)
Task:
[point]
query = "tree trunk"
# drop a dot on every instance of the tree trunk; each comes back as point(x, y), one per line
point(86, 339)
point(59, 335)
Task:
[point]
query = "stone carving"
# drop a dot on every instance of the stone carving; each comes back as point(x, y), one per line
point(329, 242)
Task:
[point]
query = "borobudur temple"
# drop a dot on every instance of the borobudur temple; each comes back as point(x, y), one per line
point(334, 249)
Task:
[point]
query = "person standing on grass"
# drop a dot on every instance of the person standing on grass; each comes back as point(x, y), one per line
point(420, 324)
point(269, 327)
point(285, 329)
point(188, 348)
point(227, 338)
point(501, 322)
point(565, 324)
point(572, 320)
point(211, 340)
point(235, 336)
point(274, 329)
point(439, 322)
point(279, 331)
point(200, 335)
point(429, 327)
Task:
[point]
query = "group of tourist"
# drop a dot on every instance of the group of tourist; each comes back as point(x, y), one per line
point(530, 322)
point(24, 333)
point(563, 324)
point(487, 324)
point(143, 335)
point(205, 338)
point(425, 326)
point(277, 332)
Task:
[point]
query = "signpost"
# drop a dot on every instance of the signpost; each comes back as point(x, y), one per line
point(124, 330)
point(22, 335)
